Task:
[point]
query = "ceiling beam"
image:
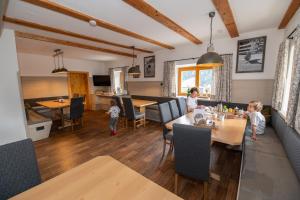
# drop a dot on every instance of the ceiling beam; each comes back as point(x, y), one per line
point(84, 17)
point(292, 9)
point(150, 11)
point(68, 33)
point(71, 44)
point(225, 12)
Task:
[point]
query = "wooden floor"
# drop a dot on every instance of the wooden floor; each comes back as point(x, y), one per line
point(140, 150)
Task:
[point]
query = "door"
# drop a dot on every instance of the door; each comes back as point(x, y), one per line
point(78, 85)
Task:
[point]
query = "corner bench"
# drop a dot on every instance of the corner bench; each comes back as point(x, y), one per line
point(272, 167)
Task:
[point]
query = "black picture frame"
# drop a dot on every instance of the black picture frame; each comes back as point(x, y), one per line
point(149, 67)
point(251, 55)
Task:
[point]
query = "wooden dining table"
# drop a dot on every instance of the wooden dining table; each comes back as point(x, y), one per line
point(142, 104)
point(55, 104)
point(230, 131)
point(100, 178)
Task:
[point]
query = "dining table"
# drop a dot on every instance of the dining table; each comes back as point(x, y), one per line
point(228, 131)
point(142, 104)
point(103, 177)
point(57, 105)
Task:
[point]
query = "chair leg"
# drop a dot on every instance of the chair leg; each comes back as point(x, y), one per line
point(176, 184)
point(134, 124)
point(205, 190)
point(144, 120)
point(172, 146)
point(164, 149)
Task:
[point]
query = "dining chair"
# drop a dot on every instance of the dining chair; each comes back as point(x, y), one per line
point(182, 106)
point(132, 114)
point(120, 105)
point(18, 168)
point(174, 109)
point(166, 116)
point(192, 154)
point(76, 111)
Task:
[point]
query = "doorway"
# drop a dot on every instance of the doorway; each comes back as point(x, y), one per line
point(78, 85)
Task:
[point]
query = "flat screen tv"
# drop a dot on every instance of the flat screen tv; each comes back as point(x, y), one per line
point(101, 80)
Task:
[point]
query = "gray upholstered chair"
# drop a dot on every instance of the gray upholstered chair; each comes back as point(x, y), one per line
point(166, 116)
point(18, 168)
point(182, 106)
point(192, 154)
point(174, 109)
point(76, 111)
point(132, 114)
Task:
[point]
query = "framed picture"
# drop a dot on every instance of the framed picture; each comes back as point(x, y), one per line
point(149, 66)
point(251, 55)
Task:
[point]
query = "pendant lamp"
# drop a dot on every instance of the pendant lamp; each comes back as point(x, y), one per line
point(57, 69)
point(134, 70)
point(211, 58)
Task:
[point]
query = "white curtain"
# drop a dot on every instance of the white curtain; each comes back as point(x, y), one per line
point(293, 111)
point(222, 80)
point(169, 83)
point(280, 74)
point(112, 79)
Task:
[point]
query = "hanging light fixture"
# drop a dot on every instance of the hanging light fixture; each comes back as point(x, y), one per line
point(211, 58)
point(55, 57)
point(134, 70)
point(59, 67)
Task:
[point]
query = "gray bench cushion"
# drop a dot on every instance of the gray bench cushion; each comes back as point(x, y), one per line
point(290, 140)
point(268, 174)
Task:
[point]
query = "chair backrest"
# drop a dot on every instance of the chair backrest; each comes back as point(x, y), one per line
point(182, 106)
point(18, 168)
point(165, 112)
point(192, 151)
point(174, 109)
point(120, 105)
point(129, 108)
point(76, 108)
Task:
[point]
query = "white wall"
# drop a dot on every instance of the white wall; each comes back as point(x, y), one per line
point(40, 65)
point(12, 116)
point(222, 46)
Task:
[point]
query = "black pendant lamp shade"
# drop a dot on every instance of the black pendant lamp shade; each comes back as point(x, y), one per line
point(134, 70)
point(211, 58)
point(57, 69)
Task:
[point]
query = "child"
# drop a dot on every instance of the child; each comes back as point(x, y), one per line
point(191, 101)
point(114, 112)
point(257, 120)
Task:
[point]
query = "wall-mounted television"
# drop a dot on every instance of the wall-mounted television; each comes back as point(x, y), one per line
point(101, 80)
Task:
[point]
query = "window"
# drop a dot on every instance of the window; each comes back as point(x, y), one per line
point(201, 77)
point(118, 81)
point(287, 85)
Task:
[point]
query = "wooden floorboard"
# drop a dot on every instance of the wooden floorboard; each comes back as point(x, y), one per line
point(140, 150)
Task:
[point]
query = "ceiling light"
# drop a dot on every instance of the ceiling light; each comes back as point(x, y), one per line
point(134, 70)
point(93, 23)
point(57, 69)
point(211, 58)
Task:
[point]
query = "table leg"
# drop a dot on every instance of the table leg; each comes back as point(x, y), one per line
point(62, 118)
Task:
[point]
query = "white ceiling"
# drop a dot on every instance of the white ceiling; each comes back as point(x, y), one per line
point(190, 14)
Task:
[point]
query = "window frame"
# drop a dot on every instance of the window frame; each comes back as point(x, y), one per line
point(197, 78)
